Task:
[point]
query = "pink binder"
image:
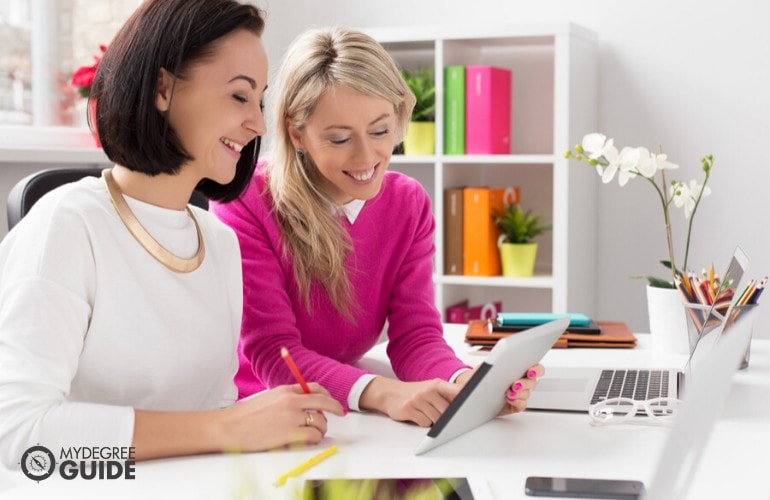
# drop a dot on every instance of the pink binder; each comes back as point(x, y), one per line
point(487, 110)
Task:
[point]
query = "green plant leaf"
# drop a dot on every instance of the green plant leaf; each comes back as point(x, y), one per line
point(658, 283)
point(655, 282)
point(519, 226)
point(667, 264)
point(422, 85)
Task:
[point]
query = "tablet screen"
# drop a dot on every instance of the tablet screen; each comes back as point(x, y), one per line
point(453, 488)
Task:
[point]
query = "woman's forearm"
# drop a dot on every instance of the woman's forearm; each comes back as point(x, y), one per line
point(169, 434)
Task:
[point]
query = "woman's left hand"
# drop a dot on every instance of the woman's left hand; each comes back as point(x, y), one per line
point(517, 394)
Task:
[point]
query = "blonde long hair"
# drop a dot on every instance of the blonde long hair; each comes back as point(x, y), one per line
point(317, 61)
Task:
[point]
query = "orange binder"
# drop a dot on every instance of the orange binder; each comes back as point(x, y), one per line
point(480, 254)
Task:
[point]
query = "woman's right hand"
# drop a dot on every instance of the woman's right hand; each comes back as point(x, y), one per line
point(418, 402)
point(278, 417)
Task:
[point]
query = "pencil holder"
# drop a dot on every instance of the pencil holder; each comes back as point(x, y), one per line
point(702, 322)
point(737, 311)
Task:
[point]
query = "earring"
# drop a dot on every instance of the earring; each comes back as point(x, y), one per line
point(300, 154)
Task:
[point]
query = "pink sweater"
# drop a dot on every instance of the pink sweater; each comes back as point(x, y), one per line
point(391, 273)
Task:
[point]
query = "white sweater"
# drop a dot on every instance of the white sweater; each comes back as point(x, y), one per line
point(92, 326)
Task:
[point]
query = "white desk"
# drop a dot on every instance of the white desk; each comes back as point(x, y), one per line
point(503, 452)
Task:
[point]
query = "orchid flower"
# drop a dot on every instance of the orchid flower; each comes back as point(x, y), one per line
point(686, 195)
point(608, 171)
point(646, 165)
point(661, 162)
point(623, 164)
point(630, 159)
point(600, 152)
point(595, 144)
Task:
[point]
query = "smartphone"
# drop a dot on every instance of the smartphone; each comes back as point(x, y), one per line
point(583, 488)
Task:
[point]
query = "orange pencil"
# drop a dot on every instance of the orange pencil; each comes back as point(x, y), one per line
point(686, 284)
point(294, 370)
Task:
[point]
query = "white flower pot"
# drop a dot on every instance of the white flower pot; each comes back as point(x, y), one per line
point(668, 321)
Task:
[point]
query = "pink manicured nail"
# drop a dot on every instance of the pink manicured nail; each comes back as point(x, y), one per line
point(532, 374)
point(517, 386)
point(511, 396)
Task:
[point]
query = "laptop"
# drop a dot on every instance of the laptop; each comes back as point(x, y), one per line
point(483, 396)
point(577, 388)
point(707, 394)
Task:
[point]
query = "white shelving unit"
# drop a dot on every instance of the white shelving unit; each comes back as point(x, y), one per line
point(554, 101)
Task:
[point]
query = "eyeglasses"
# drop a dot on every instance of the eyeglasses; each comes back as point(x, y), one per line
point(624, 411)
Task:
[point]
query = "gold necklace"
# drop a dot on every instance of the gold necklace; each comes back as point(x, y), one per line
point(145, 239)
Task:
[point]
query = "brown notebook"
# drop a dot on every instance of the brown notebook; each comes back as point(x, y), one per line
point(453, 231)
point(614, 334)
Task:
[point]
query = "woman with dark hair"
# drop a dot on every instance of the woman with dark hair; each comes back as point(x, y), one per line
point(120, 305)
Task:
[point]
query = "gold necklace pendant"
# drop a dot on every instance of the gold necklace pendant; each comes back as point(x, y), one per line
point(158, 251)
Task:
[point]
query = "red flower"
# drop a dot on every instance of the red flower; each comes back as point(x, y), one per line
point(84, 75)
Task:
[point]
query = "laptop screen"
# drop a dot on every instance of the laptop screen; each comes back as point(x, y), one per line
point(706, 396)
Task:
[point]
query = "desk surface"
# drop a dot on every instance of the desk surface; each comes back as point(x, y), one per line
point(502, 453)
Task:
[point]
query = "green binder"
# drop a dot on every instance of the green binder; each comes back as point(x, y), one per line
point(454, 110)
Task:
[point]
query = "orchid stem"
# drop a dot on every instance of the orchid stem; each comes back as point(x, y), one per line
point(668, 230)
point(662, 190)
point(708, 162)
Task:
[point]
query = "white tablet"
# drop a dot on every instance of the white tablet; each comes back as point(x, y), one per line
point(483, 396)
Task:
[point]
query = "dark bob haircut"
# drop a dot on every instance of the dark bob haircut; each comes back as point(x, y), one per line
point(169, 34)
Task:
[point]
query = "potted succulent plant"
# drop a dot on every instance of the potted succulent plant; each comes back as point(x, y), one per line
point(421, 136)
point(517, 250)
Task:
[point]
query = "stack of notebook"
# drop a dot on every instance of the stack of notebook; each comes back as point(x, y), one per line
point(582, 332)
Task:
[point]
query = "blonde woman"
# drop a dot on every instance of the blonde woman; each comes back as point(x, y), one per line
point(333, 244)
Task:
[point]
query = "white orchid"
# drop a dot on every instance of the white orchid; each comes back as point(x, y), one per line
point(629, 163)
point(607, 172)
point(623, 163)
point(661, 162)
point(646, 164)
point(687, 195)
point(595, 145)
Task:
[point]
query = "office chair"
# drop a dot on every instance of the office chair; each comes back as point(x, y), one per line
point(30, 189)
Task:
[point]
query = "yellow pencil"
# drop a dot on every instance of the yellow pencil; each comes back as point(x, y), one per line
point(747, 293)
point(686, 284)
point(296, 471)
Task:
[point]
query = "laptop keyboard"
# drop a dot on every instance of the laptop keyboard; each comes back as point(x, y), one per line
point(635, 384)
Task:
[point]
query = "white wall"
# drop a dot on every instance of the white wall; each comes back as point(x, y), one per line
point(689, 76)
